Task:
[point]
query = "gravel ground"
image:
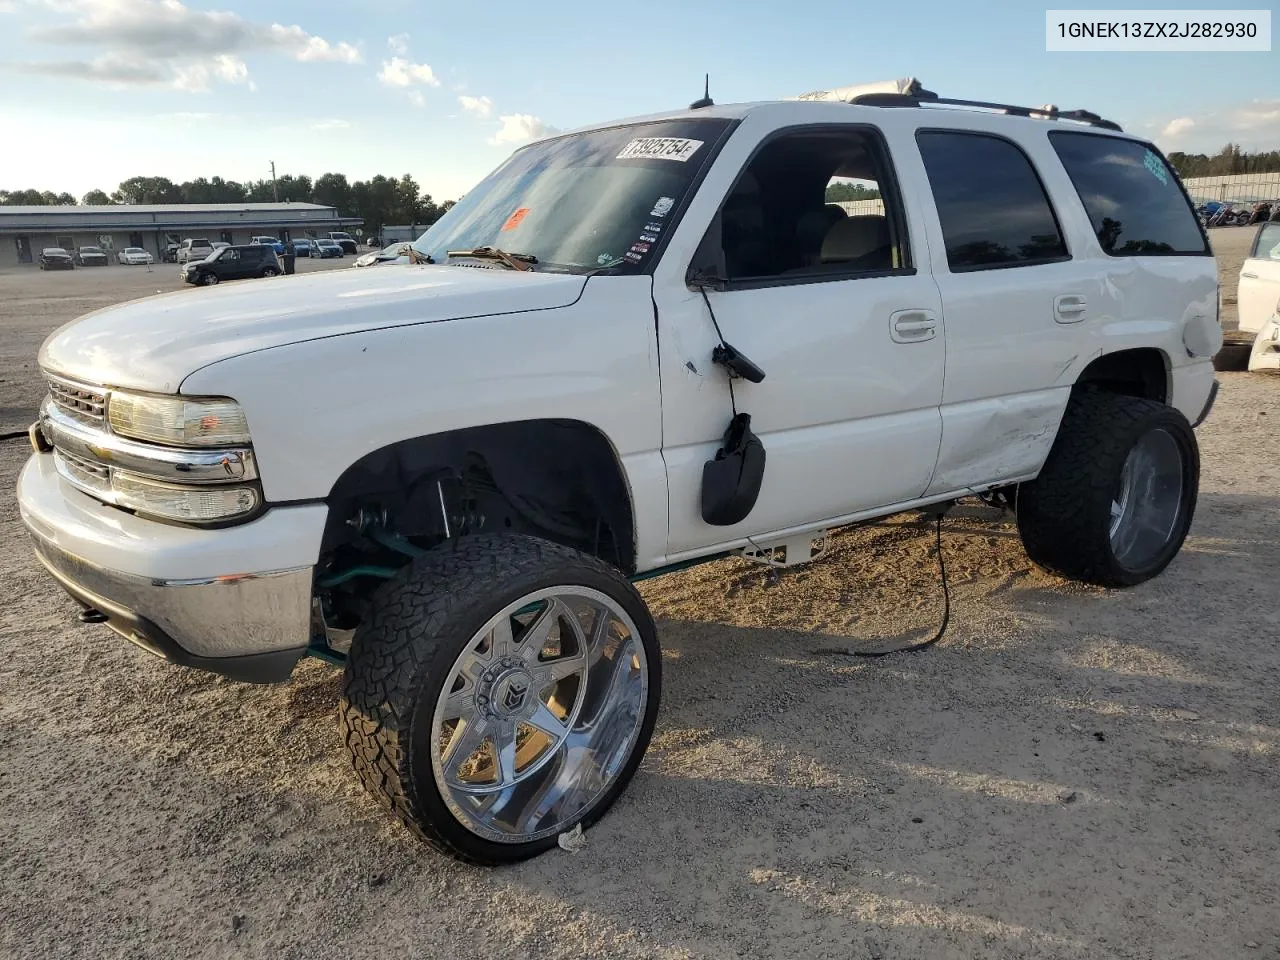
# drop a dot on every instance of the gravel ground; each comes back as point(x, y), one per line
point(1071, 773)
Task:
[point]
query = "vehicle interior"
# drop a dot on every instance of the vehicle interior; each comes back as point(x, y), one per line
point(777, 219)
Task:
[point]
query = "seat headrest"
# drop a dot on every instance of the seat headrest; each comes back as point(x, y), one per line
point(813, 225)
point(855, 237)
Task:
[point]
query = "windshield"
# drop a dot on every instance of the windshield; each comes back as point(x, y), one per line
point(583, 202)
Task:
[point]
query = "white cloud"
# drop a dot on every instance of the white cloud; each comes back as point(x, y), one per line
point(330, 125)
point(399, 72)
point(165, 42)
point(1254, 125)
point(519, 127)
point(480, 106)
point(417, 98)
point(399, 44)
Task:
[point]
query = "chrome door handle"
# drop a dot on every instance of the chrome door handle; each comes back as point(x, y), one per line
point(1070, 307)
point(912, 326)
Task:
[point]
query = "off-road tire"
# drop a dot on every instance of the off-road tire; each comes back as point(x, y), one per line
point(1064, 515)
point(401, 655)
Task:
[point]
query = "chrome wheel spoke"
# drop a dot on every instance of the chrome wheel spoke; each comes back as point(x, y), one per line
point(557, 670)
point(505, 746)
point(543, 719)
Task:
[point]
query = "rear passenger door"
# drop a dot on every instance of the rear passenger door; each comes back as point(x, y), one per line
point(1260, 279)
point(1013, 300)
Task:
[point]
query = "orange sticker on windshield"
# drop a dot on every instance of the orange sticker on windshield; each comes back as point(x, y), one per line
point(514, 220)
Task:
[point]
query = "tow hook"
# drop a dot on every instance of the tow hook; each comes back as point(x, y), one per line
point(90, 615)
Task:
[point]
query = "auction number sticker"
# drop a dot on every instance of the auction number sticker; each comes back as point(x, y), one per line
point(660, 148)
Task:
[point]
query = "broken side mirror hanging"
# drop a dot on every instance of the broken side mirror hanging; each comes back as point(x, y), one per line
point(731, 481)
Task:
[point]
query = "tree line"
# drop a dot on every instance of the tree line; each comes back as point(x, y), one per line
point(1229, 161)
point(378, 201)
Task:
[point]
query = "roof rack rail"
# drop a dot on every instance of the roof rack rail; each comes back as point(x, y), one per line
point(1048, 112)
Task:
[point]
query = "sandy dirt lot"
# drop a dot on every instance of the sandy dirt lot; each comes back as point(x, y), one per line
point(1071, 773)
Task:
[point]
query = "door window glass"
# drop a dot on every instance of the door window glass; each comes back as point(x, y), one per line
point(991, 204)
point(813, 204)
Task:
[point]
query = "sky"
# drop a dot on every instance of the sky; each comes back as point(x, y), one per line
point(95, 91)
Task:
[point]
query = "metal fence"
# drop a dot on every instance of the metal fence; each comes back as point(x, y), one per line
point(1240, 188)
point(860, 208)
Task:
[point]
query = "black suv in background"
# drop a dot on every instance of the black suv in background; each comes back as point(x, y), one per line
point(91, 257)
point(232, 263)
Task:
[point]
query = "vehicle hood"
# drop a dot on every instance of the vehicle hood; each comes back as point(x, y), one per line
point(156, 342)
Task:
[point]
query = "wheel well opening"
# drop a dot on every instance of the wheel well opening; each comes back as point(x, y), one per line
point(1141, 372)
point(555, 479)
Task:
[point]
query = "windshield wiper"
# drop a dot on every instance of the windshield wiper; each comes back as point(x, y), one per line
point(417, 256)
point(516, 261)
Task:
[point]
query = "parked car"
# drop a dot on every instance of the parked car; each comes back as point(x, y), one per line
point(55, 258)
point(135, 256)
point(326, 248)
point(302, 246)
point(353, 471)
point(273, 242)
point(91, 257)
point(347, 241)
point(171, 252)
point(232, 263)
point(192, 249)
point(1254, 344)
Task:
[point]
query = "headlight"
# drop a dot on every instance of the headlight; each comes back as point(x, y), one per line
point(192, 504)
point(178, 421)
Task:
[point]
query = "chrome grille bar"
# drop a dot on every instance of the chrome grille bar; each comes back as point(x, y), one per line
point(77, 398)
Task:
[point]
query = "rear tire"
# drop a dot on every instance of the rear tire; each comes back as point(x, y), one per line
point(1115, 499)
point(445, 705)
point(270, 272)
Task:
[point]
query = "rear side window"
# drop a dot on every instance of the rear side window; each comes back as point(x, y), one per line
point(992, 206)
point(1133, 198)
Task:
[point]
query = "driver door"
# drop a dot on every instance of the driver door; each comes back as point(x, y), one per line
point(837, 306)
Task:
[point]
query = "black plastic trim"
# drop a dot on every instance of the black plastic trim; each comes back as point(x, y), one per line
point(1208, 404)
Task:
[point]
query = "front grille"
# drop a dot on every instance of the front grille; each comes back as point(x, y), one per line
point(92, 478)
point(83, 401)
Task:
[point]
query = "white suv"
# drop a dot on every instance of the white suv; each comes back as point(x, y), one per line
point(194, 249)
point(631, 348)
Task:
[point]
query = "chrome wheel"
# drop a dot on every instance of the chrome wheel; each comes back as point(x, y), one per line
point(539, 714)
point(1147, 508)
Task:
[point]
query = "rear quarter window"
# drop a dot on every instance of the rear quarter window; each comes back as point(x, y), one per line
point(1132, 196)
point(1266, 245)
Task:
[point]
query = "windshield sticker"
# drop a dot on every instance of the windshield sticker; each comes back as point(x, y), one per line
point(652, 227)
point(605, 258)
point(660, 148)
point(633, 257)
point(662, 207)
point(649, 237)
point(1155, 167)
point(513, 221)
point(639, 248)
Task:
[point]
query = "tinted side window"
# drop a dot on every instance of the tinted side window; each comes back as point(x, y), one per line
point(992, 206)
point(1132, 197)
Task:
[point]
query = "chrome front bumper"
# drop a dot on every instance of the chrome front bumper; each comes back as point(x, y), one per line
point(164, 588)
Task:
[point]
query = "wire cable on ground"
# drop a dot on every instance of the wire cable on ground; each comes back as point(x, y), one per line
point(910, 647)
point(16, 435)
